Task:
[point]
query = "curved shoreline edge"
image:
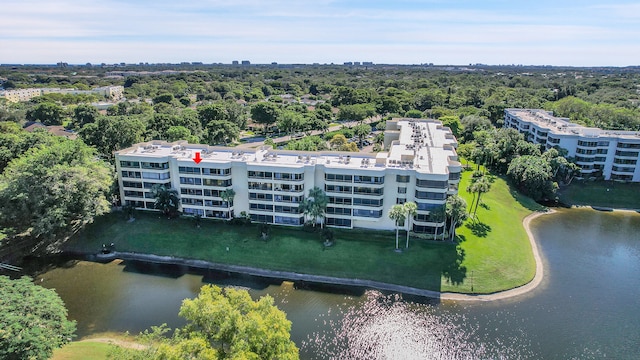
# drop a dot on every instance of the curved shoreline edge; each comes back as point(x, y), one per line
point(330, 280)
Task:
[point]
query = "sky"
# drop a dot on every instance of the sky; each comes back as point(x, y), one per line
point(494, 32)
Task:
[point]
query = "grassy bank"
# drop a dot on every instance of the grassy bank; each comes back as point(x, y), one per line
point(498, 257)
point(82, 350)
point(602, 193)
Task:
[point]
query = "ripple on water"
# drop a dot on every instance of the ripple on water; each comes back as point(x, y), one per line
point(387, 327)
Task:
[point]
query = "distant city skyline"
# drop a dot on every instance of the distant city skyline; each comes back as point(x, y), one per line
point(493, 32)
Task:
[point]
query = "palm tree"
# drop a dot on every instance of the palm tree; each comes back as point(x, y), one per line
point(315, 205)
point(167, 199)
point(227, 196)
point(397, 214)
point(456, 209)
point(436, 215)
point(482, 185)
point(410, 209)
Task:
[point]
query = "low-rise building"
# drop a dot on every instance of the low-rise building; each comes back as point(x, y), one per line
point(17, 95)
point(611, 153)
point(421, 166)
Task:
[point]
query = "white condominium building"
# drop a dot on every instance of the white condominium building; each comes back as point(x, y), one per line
point(421, 166)
point(612, 153)
point(111, 92)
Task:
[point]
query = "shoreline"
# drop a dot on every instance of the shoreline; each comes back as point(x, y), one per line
point(330, 280)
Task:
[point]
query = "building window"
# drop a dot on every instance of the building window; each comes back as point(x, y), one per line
point(190, 181)
point(187, 191)
point(261, 207)
point(132, 184)
point(155, 176)
point(216, 172)
point(155, 166)
point(338, 211)
point(130, 164)
point(285, 220)
point(193, 211)
point(338, 222)
point(189, 170)
point(338, 177)
point(131, 174)
point(367, 213)
point(430, 195)
point(367, 202)
point(260, 174)
point(260, 196)
point(403, 178)
point(262, 218)
point(434, 184)
point(340, 200)
point(190, 201)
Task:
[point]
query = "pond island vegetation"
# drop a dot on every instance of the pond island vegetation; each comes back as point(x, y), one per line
point(58, 192)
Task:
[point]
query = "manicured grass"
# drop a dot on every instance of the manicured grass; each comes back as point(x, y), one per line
point(497, 250)
point(85, 350)
point(602, 193)
point(498, 260)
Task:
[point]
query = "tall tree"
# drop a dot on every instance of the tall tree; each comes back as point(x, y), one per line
point(532, 175)
point(53, 190)
point(315, 205)
point(222, 324)
point(111, 133)
point(397, 214)
point(410, 210)
point(227, 196)
point(47, 113)
point(482, 186)
point(33, 320)
point(84, 114)
point(166, 199)
point(221, 131)
point(456, 210)
point(361, 130)
point(265, 113)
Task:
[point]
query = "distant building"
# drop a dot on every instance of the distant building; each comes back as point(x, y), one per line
point(111, 92)
point(613, 153)
point(54, 129)
point(421, 166)
point(246, 62)
point(235, 62)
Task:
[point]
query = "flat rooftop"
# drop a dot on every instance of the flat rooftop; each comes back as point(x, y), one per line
point(564, 126)
point(423, 146)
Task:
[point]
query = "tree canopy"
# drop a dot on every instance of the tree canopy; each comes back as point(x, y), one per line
point(33, 320)
point(53, 189)
point(223, 323)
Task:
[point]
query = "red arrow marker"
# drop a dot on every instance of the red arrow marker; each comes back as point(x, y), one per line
point(197, 159)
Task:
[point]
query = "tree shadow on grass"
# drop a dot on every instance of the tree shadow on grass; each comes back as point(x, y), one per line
point(478, 228)
point(454, 272)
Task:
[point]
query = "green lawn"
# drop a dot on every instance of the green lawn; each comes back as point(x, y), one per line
point(85, 350)
point(602, 193)
point(498, 260)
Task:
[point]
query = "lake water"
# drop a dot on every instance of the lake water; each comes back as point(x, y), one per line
point(587, 307)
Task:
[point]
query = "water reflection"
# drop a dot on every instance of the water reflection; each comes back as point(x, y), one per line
point(388, 327)
point(586, 308)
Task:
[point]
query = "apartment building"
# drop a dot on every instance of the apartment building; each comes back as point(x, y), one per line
point(612, 153)
point(421, 166)
point(111, 92)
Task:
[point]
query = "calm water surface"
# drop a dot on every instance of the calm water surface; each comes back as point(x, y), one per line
point(588, 306)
